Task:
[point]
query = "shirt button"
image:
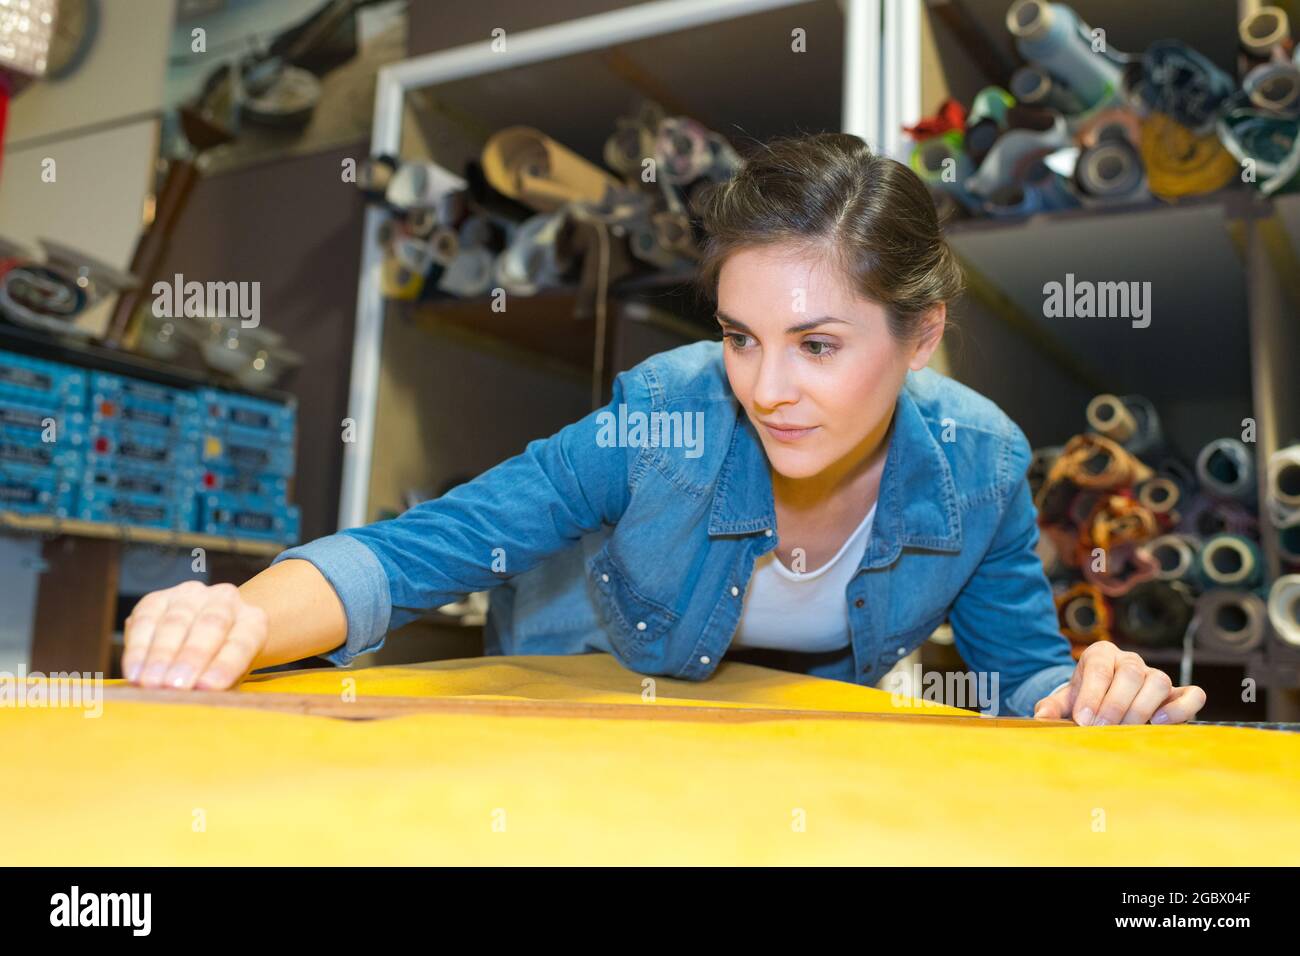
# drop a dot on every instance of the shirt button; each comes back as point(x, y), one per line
point(768, 532)
point(859, 602)
point(734, 591)
point(605, 578)
point(640, 625)
point(902, 651)
point(704, 659)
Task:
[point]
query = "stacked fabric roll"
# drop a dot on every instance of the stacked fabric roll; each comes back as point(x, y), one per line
point(530, 214)
point(1145, 552)
point(1082, 124)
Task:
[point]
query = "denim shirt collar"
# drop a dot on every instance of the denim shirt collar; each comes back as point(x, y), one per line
point(917, 504)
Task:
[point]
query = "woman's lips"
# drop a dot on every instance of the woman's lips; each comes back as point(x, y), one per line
point(789, 434)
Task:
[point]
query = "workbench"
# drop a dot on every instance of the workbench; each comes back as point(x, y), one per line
point(571, 760)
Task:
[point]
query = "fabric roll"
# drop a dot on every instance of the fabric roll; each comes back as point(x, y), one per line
point(1118, 520)
point(942, 164)
point(1053, 190)
point(1266, 143)
point(1263, 34)
point(1012, 201)
point(1175, 556)
point(1110, 171)
point(992, 102)
point(1052, 36)
point(1040, 132)
point(1155, 613)
point(1160, 496)
point(1207, 515)
point(1288, 540)
point(1228, 621)
point(374, 174)
point(1108, 416)
point(1117, 123)
point(1034, 86)
point(524, 164)
point(1284, 608)
point(1181, 83)
point(535, 258)
point(1084, 617)
point(1284, 485)
point(421, 186)
point(1180, 163)
point(1230, 561)
point(683, 149)
point(1274, 88)
point(1126, 566)
point(1095, 462)
point(1227, 467)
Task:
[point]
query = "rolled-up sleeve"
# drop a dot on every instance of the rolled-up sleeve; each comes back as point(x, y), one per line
point(1004, 619)
point(482, 532)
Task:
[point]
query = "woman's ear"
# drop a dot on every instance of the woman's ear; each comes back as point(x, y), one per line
point(929, 338)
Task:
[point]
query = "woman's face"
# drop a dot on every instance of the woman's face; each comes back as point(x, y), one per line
point(804, 352)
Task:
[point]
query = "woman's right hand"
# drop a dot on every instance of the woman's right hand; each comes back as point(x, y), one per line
point(193, 636)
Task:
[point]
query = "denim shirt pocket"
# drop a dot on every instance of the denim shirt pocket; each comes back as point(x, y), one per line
point(897, 646)
point(637, 621)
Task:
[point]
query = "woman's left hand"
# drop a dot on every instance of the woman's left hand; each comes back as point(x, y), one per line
point(1112, 686)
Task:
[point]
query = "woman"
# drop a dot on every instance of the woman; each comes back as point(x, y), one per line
point(805, 494)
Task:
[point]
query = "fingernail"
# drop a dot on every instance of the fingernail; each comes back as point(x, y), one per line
point(153, 674)
point(1085, 717)
point(1160, 718)
point(180, 675)
point(132, 670)
point(214, 678)
point(1100, 722)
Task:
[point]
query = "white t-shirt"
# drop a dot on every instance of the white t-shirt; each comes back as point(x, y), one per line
point(806, 611)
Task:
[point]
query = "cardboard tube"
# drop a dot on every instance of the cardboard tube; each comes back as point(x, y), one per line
point(1108, 416)
point(1263, 31)
point(1284, 484)
point(1154, 613)
point(524, 164)
point(1160, 496)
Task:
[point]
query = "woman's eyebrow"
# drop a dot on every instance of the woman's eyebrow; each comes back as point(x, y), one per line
point(801, 327)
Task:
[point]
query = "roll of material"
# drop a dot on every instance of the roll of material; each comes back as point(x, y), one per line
point(1264, 34)
point(1274, 88)
point(1208, 515)
point(1234, 622)
point(536, 258)
point(1160, 496)
point(1284, 486)
point(1155, 613)
point(1288, 541)
point(687, 150)
point(1284, 608)
point(421, 186)
point(1125, 567)
point(1084, 617)
point(1013, 201)
point(992, 102)
point(1034, 86)
point(1097, 463)
point(1109, 417)
point(1118, 520)
point(1181, 163)
point(1230, 561)
point(1227, 467)
point(374, 174)
point(1052, 36)
point(942, 164)
point(1111, 171)
point(1267, 142)
point(1117, 123)
point(1175, 556)
point(524, 164)
point(1181, 83)
point(1040, 132)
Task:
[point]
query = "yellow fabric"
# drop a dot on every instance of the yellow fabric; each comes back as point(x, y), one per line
point(150, 783)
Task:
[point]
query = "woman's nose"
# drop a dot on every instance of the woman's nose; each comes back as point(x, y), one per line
point(774, 384)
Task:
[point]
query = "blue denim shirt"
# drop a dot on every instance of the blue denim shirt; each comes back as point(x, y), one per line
point(640, 543)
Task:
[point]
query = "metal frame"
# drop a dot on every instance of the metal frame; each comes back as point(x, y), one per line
point(862, 114)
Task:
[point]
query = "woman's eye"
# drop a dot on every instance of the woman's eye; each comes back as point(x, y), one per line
point(822, 349)
point(732, 340)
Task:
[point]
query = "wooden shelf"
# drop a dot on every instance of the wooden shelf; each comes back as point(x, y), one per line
point(49, 525)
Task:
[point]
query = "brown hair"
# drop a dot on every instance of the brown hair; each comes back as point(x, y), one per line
point(831, 196)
